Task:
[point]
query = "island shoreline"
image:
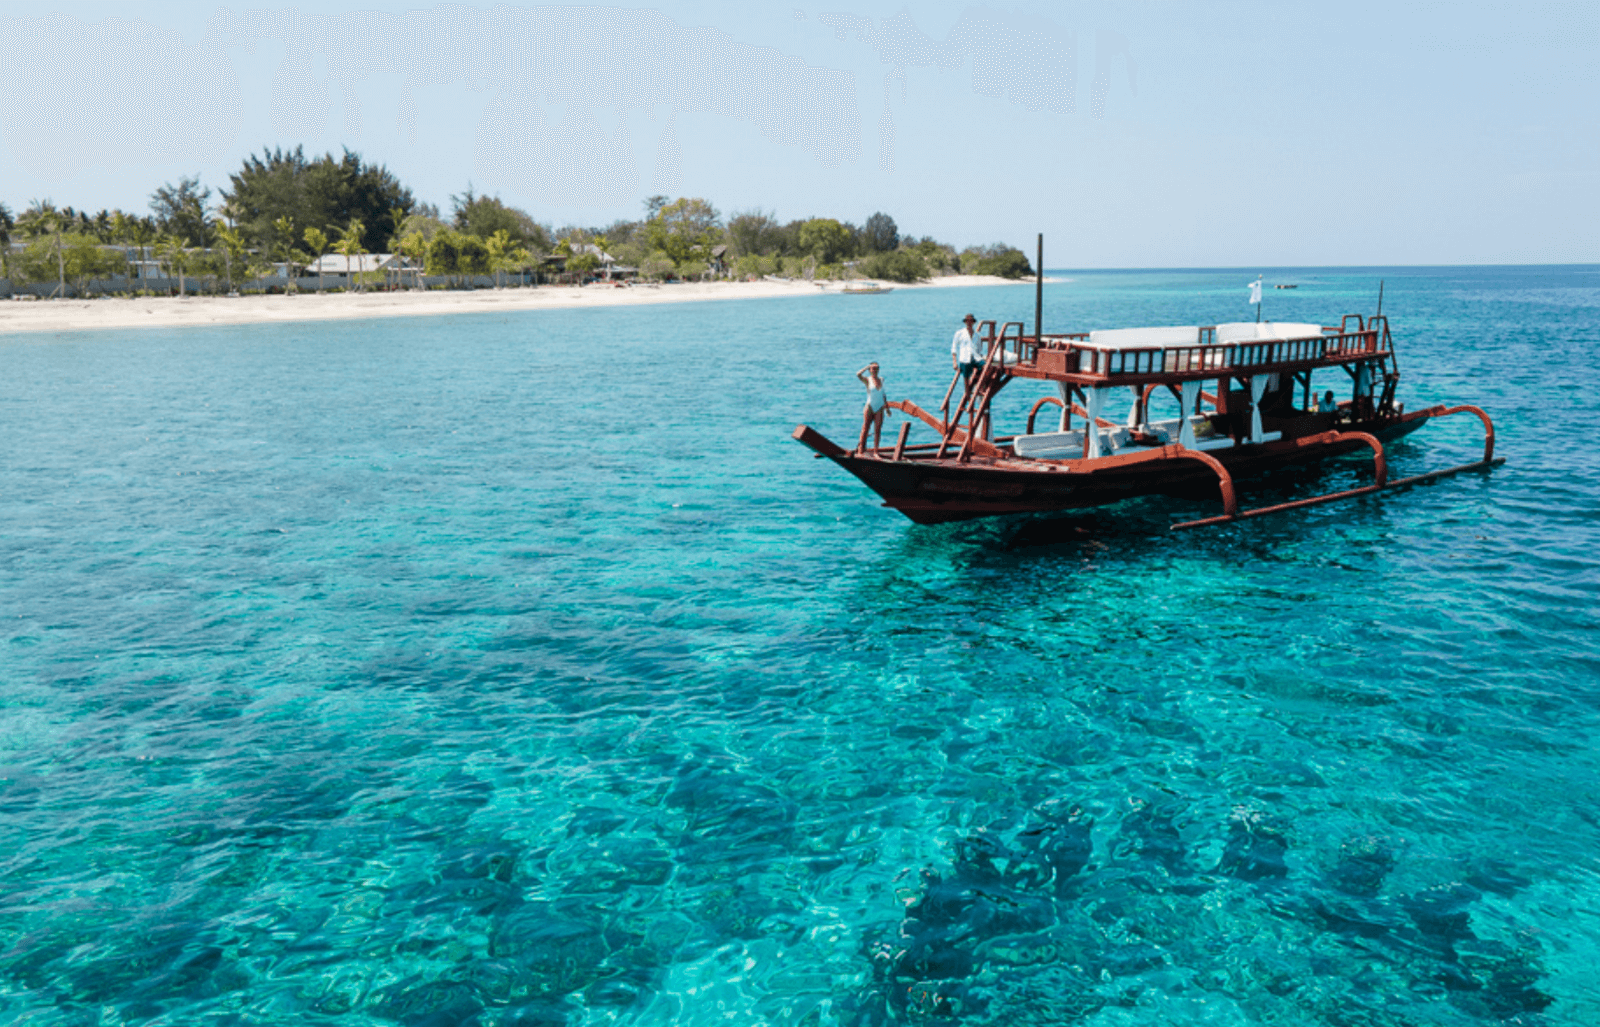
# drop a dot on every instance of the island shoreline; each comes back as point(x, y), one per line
point(120, 313)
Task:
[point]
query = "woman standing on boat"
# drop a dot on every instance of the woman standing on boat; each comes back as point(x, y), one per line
point(876, 407)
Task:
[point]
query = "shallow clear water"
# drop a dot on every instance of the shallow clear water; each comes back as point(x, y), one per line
point(519, 669)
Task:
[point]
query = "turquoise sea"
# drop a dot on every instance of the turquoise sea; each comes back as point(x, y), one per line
point(520, 670)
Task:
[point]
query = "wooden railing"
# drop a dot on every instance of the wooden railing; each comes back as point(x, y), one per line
point(1207, 357)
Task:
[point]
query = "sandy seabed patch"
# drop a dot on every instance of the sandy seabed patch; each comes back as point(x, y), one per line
point(107, 313)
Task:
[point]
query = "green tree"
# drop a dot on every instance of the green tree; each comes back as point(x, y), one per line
point(582, 264)
point(349, 246)
point(880, 234)
point(898, 266)
point(685, 230)
point(171, 249)
point(753, 232)
point(7, 223)
point(84, 259)
point(483, 216)
point(316, 191)
point(181, 210)
point(231, 243)
point(414, 246)
point(444, 254)
point(317, 240)
point(282, 245)
point(826, 239)
point(997, 259)
point(498, 245)
point(475, 259)
point(142, 232)
point(656, 266)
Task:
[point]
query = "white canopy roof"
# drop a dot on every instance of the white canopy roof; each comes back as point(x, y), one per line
point(1189, 335)
point(1251, 331)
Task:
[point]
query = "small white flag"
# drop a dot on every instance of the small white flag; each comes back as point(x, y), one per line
point(1255, 291)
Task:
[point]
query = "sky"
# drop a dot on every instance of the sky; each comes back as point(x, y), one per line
point(1153, 134)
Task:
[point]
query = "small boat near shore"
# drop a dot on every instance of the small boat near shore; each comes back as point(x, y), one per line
point(1242, 403)
point(865, 288)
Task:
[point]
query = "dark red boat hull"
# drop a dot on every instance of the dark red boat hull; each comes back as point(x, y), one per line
point(938, 491)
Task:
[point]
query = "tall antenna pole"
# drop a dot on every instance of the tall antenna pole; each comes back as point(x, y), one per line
point(1038, 295)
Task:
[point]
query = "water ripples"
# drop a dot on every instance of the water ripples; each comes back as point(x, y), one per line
point(437, 673)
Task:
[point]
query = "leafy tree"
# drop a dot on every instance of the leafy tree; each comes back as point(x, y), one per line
point(231, 243)
point(283, 244)
point(40, 219)
point(316, 191)
point(826, 239)
point(753, 232)
point(896, 266)
point(170, 248)
point(83, 259)
point(498, 246)
point(935, 254)
point(414, 245)
point(754, 264)
point(685, 230)
point(997, 259)
point(453, 253)
point(483, 216)
point(444, 254)
point(181, 210)
point(141, 233)
point(7, 223)
point(317, 239)
point(657, 265)
point(880, 234)
point(475, 258)
point(349, 246)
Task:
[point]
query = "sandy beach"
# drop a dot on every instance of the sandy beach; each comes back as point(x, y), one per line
point(109, 313)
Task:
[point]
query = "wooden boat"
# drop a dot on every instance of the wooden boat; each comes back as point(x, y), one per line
point(1244, 402)
point(864, 288)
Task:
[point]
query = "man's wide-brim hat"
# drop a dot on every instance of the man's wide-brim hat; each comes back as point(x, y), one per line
point(969, 317)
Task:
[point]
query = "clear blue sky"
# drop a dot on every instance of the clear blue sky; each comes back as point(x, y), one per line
point(1132, 135)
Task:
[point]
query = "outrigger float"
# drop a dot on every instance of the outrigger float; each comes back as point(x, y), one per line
point(1257, 415)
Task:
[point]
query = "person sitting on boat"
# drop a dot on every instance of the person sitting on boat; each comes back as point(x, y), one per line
point(965, 350)
point(1326, 404)
point(877, 406)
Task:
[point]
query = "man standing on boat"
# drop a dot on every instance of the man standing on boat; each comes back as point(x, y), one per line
point(965, 351)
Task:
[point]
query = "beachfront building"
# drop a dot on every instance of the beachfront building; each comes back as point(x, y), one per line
point(555, 265)
point(337, 265)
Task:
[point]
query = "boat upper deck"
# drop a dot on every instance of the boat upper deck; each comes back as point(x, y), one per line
point(1139, 356)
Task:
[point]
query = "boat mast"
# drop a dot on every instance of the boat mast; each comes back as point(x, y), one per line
point(1038, 294)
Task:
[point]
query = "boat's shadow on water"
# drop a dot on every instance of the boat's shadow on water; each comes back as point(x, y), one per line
point(1142, 527)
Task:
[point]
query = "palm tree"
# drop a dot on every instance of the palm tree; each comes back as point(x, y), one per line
point(415, 246)
point(7, 223)
point(498, 245)
point(398, 216)
point(350, 245)
point(318, 241)
point(232, 243)
point(171, 249)
point(143, 232)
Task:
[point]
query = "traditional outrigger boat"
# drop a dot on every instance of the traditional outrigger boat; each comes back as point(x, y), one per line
point(1257, 415)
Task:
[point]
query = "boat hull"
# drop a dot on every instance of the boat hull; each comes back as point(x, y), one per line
point(936, 491)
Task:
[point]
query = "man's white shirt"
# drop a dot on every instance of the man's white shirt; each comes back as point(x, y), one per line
point(964, 347)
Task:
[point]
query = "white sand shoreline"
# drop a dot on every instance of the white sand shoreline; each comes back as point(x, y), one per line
point(110, 313)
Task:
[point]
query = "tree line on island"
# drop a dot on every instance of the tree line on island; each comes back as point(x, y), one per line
point(282, 211)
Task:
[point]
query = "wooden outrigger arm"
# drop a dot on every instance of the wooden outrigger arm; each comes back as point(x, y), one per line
point(1380, 465)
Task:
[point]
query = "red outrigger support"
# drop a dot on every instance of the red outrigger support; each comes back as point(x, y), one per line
point(1231, 512)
